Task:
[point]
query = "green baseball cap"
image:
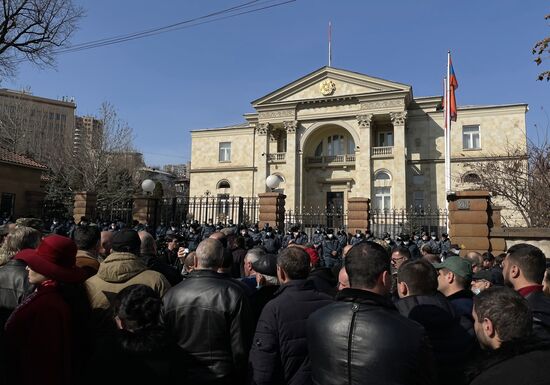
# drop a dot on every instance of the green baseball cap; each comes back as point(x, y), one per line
point(457, 265)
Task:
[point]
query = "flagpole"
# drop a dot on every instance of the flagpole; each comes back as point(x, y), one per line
point(448, 134)
point(329, 43)
point(448, 127)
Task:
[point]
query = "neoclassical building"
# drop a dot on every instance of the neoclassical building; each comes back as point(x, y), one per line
point(335, 134)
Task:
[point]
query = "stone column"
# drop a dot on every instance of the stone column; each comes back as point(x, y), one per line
point(399, 180)
point(272, 210)
point(363, 181)
point(145, 209)
point(358, 214)
point(470, 221)
point(85, 204)
point(262, 150)
point(292, 184)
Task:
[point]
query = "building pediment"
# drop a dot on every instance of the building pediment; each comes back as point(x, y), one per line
point(328, 83)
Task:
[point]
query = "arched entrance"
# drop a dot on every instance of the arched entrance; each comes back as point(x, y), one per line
point(328, 170)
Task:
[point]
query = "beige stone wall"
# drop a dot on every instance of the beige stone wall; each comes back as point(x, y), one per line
point(498, 125)
point(205, 147)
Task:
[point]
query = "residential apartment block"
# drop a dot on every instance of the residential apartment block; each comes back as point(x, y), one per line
point(35, 126)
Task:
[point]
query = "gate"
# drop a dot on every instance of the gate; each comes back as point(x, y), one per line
point(409, 221)
point(219, 209)
point(310, 219)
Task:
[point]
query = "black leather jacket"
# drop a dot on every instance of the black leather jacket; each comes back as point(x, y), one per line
point(14, 285)
point(540, 306)
point(209, 316)
point(363, 339)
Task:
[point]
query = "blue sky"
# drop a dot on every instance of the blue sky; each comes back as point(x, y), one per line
point(206, 76)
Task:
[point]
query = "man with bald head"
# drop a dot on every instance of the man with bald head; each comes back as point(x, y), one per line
point(209, 316)
point(106, 243)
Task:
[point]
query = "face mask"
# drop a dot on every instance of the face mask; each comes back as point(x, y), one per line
point(476, 290)
point(295, 234)
point(434, 238)
point(358, 235)
point(330, 236)
point(243, 232)
point(406, 242)
point(268, 234)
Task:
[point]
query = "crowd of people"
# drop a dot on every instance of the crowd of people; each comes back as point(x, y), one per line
point(92, 303)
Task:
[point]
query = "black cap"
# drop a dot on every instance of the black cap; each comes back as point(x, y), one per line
point(126, 240)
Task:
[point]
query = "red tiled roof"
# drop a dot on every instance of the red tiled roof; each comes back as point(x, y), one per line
point(7, 156)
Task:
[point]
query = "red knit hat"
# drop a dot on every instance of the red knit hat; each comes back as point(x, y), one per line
point(55, 258)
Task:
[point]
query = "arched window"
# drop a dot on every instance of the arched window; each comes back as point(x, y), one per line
point(382, 175)
point(471, 178)
point(224, 183)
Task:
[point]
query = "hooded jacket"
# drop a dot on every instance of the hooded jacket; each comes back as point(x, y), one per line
point(116, 272)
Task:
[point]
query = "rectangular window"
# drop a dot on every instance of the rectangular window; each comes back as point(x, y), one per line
point(471, 138)
point(225, 152)
point(385, 139)
point(419, 199)
point(7, 204)
point(382, 198)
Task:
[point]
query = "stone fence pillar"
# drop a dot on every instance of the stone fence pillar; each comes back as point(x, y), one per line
point(470, 220)
point(498, 243)
point(272, 210)
point(145, 210)
point(358, 214)
point(85, 204)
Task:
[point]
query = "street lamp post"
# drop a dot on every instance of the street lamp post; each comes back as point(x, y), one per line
point(148, 186)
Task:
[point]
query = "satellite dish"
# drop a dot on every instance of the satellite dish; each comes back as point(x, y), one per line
point(273, 181)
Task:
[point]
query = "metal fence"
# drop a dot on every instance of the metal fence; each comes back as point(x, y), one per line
point(409, 221)
point(310, 219)
point(111, 212)
point(219, 209)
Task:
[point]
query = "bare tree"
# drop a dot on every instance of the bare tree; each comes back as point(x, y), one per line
point(542, 50)
point(104, 163)
point(521, 179)
point(33, 30)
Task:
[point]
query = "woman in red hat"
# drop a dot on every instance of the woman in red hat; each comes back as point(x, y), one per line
point(46, 334)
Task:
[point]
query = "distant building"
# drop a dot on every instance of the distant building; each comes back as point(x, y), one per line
point(35, 126)
point(88, 132)
point(181, 171)
point(21, 190)
point(166, 179)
